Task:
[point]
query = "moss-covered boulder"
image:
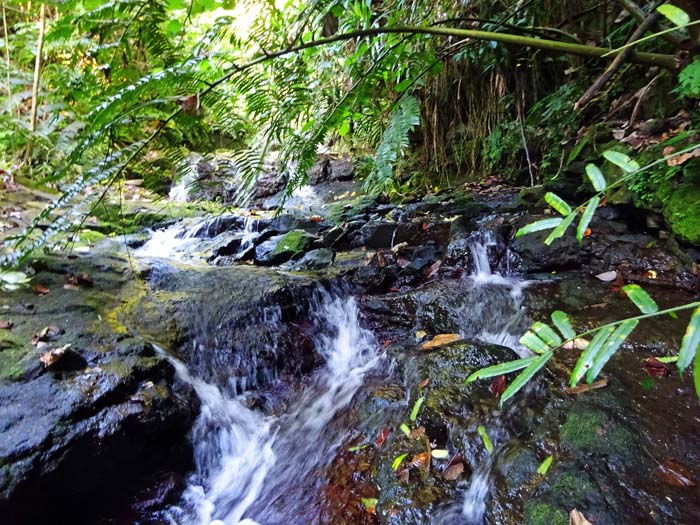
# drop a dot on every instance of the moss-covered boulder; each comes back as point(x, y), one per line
point(682, 212)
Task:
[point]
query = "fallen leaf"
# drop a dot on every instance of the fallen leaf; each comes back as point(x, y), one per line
point(576, 518)
point(498, 385)
point(439, 453)
point(577, 344)
point(403, 263)
point(403, 475)
point(424, 383)
point(381, 438)
point(421, 461)
point(424, 226)
point(316, 218)
point(46, 334)
point(420, 334)
point(580, 389)
point(63, 358)
point(40, 289)
point(675, 474)
point(6, 325)
point(453, 472)
point(440, 340)
point(432, 270)
point(416, 433)
point(370, 505)
point(681, 159)
point(655, 368)
point(607, 276)
point(587, 232)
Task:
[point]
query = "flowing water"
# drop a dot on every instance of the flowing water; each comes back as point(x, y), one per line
point(252, 468)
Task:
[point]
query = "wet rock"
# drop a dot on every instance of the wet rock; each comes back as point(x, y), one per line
point(385, 235)
point(315, 260)
point(281, 248)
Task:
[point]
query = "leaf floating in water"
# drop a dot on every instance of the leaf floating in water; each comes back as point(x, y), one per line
point(397, 461)
point(485, 438)
point(498, 385)
point(655, 368)
point(577, 518)
point(439, 453)
point(607, 276)
point(381, 438)
point(580, 389)
point(544, 466)
point(440, 340)
point(675, 474)
point(370, 505)
point(421, 461)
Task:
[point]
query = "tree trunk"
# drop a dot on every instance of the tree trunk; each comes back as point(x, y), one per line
point(37, 78)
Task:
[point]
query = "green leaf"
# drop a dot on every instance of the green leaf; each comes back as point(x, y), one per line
point(357, 448)
point(691, 341)
point(588, 355)
point(674, 14)
point(561, 321)
point(544, 466)
point(611, 346)
point(545, 333)
point(596, 177)
point(485, 438)
point(530, 341)
point(416, 408)
point(560, 230)
point(638, 296)
point(668, 359)
point(503, 368)
point(344, 129)
point(556, 202)
point(14, 277)
point(397, 462)
point(544, 224)
point(369, 503)
point(525, 376)
point(439, 453)
point(404, 428)
point(696, 373)
point(403, 85)
point(623, 161)
point(586, 218)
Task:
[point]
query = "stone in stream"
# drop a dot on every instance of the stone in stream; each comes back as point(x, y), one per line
point(281, 248)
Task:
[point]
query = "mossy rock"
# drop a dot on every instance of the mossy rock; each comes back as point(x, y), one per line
point(682, 211)
point(538, 513)
point(592, 431)
point(291, 244)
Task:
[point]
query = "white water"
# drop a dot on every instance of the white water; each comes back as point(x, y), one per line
point(255, 469)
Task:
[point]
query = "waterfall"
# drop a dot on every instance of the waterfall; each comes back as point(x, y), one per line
point(252, 468)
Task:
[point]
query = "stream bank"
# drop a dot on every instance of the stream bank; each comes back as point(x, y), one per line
point(250, 325)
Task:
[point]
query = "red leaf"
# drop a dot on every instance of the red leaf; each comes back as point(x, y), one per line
point(498, 385)
point(381, 438)
point(655, 368)
point(675, 474)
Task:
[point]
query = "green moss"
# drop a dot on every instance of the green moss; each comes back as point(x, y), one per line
point(571, 487)
point(581, 430)
point(11, 358)
point(537, 513)
point(682, 211)
point(295, 241)
point(343, 210)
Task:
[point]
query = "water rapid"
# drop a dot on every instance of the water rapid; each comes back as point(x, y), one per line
point(252, 468)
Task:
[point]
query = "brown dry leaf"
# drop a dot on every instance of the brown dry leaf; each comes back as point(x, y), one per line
point(6, 325)
point(675, 474)
point(416, 433)
point(576, 518)
point(432, 270)
point(40, 289)
point(422, 461)
point(577, 344)
point(424, 383)
point(316, 218)
point(580, 389)
point(46, 334)
point(680, 159)
point(440, 340)
point(498, 385)
point(52, 357)
point(403, 475)
point(453, 472)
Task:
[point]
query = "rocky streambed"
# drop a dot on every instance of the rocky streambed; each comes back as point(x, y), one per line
point(262, 368)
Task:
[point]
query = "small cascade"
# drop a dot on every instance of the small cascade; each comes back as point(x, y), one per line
point(256, 469)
